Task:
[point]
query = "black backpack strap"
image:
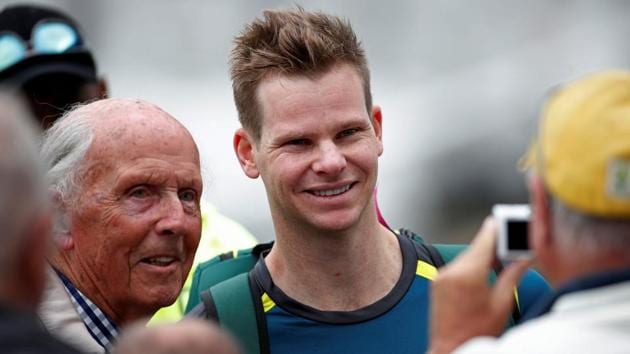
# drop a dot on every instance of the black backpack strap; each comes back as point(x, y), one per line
point(434, 255)
point(259, 312)
point(424, 250)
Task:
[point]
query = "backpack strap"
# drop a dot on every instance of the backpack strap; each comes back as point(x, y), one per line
point(220, 268)
point(235, 302)
point(234, 306)
point(449, 251)
point(436, 259)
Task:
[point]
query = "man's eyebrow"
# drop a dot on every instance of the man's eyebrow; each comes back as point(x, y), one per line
point(290, 135)
point(140, 176)
point(191, 180)
point(351, 123)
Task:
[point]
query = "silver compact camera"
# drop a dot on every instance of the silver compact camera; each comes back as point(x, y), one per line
point(513, 224)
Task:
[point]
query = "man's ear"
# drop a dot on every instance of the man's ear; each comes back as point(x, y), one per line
point(541, 230)
point(61, 225)
point(244, 147)
point(377, 122)
point(103, 88)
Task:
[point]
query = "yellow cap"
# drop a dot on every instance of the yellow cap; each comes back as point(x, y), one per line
point(583, 147)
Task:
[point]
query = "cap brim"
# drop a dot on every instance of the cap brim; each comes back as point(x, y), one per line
point(76, 64)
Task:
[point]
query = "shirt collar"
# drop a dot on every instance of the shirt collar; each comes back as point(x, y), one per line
point(100, 326)
point(598, 280)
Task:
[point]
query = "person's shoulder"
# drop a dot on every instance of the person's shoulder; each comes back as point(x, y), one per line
point(531, 337)
point(31, 346)
point(52, 345)
point(531, 289)
point(549, 334)
point(20, 333)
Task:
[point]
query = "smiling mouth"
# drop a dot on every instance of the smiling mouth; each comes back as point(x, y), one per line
point(160, 261)
point(331, 192)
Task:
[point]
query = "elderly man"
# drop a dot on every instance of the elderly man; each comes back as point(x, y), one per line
point(580, 233)
point(126, 183)
point(59, 71)
point(25, 223)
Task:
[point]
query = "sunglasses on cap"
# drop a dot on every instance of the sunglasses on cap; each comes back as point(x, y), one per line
point(47, 37)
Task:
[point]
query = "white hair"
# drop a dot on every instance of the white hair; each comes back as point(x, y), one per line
point(22, 189)
point(592, 234)
point(63, 150)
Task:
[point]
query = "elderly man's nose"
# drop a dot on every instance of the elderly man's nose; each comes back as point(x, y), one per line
point(172, 217)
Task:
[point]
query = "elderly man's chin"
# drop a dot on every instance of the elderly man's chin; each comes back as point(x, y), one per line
point(159, 286)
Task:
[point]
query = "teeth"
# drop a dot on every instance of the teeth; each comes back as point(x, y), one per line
point(331, 192)
point(160, 261)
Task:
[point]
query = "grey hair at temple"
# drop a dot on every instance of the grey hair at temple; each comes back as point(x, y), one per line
point(63, 149)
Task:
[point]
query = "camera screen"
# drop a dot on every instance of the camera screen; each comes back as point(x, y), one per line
point(517, 235)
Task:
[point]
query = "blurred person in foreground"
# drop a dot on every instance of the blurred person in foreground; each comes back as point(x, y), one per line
point(579, 232)
point(44, 56)
point(125, 181)
point(335, 280)
point(25, 220)
point(189, 336)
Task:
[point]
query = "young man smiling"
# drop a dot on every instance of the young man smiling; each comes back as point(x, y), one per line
point(335, 280)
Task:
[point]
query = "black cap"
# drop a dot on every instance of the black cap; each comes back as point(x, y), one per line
point(77, 61)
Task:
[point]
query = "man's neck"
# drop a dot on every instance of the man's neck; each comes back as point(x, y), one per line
point(89, 288)
point(353, 269)
point(569, 263)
